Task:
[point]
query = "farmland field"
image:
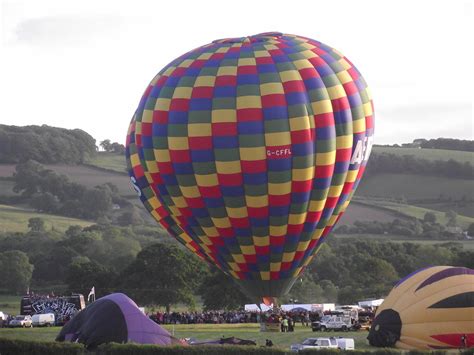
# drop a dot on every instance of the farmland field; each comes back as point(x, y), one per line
point(208, 332)
point(15, 219)
point(10, 304)
point(419, 212)
point(465, 244)
point(361, 212)
point(415, 187)
point(84, 175)
point(429, 154)
point(110, 161)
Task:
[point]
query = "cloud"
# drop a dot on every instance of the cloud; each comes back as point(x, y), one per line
point(70, 30)
point(405, 123)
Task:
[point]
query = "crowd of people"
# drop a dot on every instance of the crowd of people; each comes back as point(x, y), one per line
point(288, 319)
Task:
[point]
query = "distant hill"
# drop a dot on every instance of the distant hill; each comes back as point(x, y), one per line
point(429, 153)
point(413, 193)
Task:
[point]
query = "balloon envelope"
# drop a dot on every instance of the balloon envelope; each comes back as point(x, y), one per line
point(248, 150)
point(430, 309)
point(113, 318)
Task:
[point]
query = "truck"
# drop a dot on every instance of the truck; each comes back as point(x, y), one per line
point(315, 343)
point(21, 321)
point(43, 320)
point(335, 322)
point(345, 343)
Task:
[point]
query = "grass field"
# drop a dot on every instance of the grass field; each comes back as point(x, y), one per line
point(419, 212)
point(362, 212)
point(15, 219)
point(429, 154)
point(10, 304)
point(110, 161)
point(84, 175)
point(415, 187)
point(466, 244)
point(209, 332)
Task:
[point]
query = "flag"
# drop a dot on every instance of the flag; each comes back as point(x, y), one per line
point(92, 293)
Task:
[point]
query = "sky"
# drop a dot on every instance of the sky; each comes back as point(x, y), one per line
point(85, 63)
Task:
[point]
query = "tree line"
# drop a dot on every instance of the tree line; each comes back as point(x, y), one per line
point(49, 192)
point(153, 269)
point(45, 144)
point(437, 143)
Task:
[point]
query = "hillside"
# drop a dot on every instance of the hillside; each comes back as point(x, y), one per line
point(109, 161)
point(414, 188)
point(418, 194)
point(87, 175)
point(15, 219)
point(429, 154)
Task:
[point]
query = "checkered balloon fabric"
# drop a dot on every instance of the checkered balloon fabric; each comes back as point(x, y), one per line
point(248, 150)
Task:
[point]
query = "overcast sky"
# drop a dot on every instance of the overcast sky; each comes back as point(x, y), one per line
point(85, 63)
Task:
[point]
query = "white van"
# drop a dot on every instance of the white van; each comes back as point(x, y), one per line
point(345, 343)
point(315, 343)
point(43, 320)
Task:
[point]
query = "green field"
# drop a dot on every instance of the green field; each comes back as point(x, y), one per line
point(465, 244)
point(10, 304)
point(429, 154)
point(85, 175)
point(418, 212)
point(110, 161)
point(15, 219)
point(415, 187)
point(201, 332)
point(116, 162)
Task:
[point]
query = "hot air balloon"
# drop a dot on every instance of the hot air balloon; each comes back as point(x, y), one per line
point(432, 308)
point(248, 150)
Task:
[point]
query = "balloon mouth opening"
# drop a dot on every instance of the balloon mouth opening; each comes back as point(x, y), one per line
point(261, 37)
point(269, 301)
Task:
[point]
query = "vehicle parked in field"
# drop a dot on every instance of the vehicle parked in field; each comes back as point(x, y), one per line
point(3, 320)
point(345, 343)
point(327, 323)
point(315, 343)
point(43, 320)
point(21, 322)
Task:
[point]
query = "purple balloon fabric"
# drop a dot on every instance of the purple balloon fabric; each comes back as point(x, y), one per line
point(141, 329)
point(113, 318)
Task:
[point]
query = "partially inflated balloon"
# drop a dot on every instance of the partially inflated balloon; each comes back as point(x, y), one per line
point(430, 309)
point(248, 150)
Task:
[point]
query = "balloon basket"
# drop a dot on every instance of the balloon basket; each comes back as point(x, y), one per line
point(270, 327)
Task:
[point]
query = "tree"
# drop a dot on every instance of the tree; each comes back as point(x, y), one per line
point(451, 216)
point(429, 217)
point(15, 271)
point(305, 290)
point(44, 144)
point(82, 275)
point(164, 275)
point(117, 148)
point(45, 202)
point(131, 217)
point(73, 231)
point(218, 291)
point(106, 145)
point(95, 203)
point(36, 224)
